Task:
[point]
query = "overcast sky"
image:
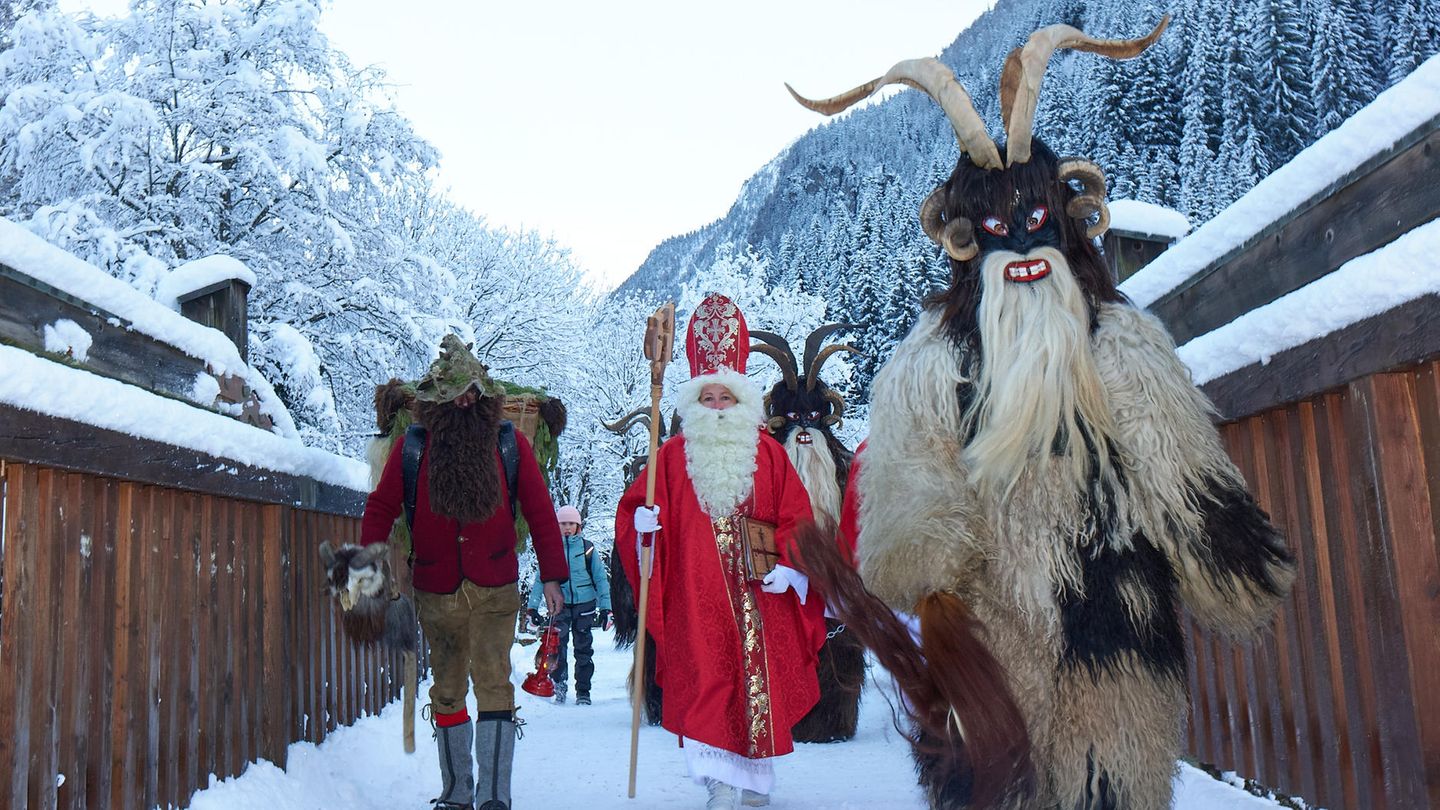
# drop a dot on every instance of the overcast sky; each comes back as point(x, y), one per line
point(613, 125)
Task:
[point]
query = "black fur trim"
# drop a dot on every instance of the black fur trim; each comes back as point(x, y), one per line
point(1098, 628)
point(944, 788)
point(1098, 793)
point(1240, 541)
point(842, 675)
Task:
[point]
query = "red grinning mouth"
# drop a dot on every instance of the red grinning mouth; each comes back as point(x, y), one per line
point(803, 438)
point(1027, 271)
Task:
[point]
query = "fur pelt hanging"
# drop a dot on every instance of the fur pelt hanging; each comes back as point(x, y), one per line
point(369, 612)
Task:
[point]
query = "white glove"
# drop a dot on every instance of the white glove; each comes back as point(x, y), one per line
point(783, 578)
point(647, 519)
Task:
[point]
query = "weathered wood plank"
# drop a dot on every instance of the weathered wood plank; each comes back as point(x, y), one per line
point(44, 721)
point(1408, 526)
point(278, 701)
point(65, 444)
point(1389, 196)
point(101, 640)
point(127, 705)
point(1398, 735)
point(72, 697)
point(17, 631)
point(1403, 336)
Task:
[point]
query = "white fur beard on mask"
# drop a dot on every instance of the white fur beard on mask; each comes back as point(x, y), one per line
point(816, 467)
point(1037, 376)
point(720, 448)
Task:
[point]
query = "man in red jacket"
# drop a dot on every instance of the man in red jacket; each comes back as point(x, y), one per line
point(464, 566)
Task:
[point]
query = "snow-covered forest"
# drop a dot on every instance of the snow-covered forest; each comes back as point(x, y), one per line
point(185, 129)
point(1233, 90)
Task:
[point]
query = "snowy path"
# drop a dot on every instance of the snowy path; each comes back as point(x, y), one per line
point(576, 757)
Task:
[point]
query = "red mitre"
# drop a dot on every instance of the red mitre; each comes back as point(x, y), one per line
point(717, 337)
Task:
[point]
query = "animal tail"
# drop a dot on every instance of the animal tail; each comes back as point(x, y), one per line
point(968, 733)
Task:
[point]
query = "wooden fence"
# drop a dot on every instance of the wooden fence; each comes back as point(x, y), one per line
point(1341, 703)
point(152, 636)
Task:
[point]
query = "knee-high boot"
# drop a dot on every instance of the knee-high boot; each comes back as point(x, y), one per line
point(457, 774)
point(495, 752)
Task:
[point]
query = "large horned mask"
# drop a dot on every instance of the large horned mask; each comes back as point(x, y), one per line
point(801, 399)
point(1017, 202)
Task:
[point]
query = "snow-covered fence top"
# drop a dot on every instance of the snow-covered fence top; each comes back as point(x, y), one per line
point(1326, 267)
point(1393, 122)
point(133, 390)
point(31, 265)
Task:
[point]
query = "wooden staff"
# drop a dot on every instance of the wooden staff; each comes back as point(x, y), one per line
point(659, 343)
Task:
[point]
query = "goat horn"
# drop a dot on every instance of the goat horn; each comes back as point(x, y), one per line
point(817, 337)
point(778, 342)
point(1091, 199)
point(936, 80)
point(835, 399)
point(813, 376)
point(957, 236)
point(1025, 68)
point(785, 362)
point(624, 423)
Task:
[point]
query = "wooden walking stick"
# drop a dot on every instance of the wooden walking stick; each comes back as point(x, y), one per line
point(659, 343)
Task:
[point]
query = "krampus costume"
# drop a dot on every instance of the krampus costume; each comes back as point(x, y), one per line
point(800, 411)
point(1042, 483)
point(464, 566)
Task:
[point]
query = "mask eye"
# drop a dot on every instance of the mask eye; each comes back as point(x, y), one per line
point(995, 226)
point(792, 416)
point(1037, 218)
point(814, 414)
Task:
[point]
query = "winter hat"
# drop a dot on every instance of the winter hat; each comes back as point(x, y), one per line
point(454, 372)
point(568, 514)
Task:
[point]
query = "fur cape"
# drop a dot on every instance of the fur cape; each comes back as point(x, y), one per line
point(1079, 593)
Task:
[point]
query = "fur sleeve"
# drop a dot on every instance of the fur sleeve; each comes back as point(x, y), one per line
point(1185, 493)
point(920, 528)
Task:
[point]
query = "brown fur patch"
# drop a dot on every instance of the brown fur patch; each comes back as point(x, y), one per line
point(390, 399)
point(553, 412)
point(464, 475)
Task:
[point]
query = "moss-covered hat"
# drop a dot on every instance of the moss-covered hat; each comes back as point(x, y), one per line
point(455, 371)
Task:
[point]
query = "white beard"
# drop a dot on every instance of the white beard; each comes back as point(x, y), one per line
point(721, 446)
point(817, 472)
point(1037, 376)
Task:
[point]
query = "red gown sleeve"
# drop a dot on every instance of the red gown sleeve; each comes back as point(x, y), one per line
point(850, 510)
point(534, 498)
point(384, 505)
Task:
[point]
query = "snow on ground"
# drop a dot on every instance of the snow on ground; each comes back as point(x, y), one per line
point(577, 757)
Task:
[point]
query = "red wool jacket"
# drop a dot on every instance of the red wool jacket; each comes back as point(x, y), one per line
point(483, 552)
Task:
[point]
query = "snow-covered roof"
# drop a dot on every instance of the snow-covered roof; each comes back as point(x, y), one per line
point(33, 256)
point(1361, 288)
point(1394, 114)
point(1135, 216)
point(199, 274)
point(34, 383)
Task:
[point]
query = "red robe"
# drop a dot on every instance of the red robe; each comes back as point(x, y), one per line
point(714, 690)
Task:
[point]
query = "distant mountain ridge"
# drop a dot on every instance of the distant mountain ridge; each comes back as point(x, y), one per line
point(1233, 89)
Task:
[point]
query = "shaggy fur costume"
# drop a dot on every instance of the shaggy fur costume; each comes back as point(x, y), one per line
point(1078, 587)
point(460, 488)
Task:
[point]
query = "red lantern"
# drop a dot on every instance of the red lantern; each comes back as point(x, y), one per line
point(538, 683)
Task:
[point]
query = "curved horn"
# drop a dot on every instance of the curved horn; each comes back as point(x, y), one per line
point(957, 236)
point(784, 361)
point(838, 401)
point(814, 340)
point(624, 423)
point(936, 80)
point(813, 375)
point(1091, 199)
point(1025, 67)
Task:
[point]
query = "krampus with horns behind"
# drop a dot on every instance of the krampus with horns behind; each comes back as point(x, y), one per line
point(1042, 486)
point(800, 412)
